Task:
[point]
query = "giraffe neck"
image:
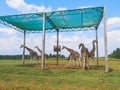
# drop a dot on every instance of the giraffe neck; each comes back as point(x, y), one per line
point(39, 50)
point(93, 45)
point(30, 50)
point(68, 49)
point(91, 53)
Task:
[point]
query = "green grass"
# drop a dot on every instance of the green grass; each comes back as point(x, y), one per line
point(15, 76)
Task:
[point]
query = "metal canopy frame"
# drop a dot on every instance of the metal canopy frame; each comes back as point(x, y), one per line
point(48, 21)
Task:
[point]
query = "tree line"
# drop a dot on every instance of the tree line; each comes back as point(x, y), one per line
point(19, 57)
point(115, 54)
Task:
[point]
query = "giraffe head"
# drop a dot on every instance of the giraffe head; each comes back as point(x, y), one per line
point(81, 45)
point(21, 46)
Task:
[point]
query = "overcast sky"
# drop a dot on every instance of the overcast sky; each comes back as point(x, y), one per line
point(10, 40)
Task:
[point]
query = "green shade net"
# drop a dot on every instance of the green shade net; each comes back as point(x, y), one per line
point(67, 20)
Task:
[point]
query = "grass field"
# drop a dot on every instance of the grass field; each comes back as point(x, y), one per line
point(15, 76)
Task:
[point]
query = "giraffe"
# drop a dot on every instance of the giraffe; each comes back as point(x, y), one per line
point(84, 56)
point(77, 57)
point(32, 53)
point(46, 55)
point(74, 55)
point(92, 51)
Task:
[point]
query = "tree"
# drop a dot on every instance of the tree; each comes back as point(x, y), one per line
point(115, 54)
point(55, 55)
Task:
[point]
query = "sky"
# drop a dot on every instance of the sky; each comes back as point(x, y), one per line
point(10, 40)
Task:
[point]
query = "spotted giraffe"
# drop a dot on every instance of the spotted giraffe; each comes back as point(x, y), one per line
point(92, 52)
point(74, 55)
point(32, 53)
point(84, 56)
point(46, 55)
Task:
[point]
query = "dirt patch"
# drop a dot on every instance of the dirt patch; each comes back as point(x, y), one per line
point(60, 66)
point(67, 66)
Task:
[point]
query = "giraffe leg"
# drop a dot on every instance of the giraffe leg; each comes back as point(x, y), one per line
point(30, 60)
point(83, 64)
point(73, 62)
point(80, 62)
point(77, 62)
point(45, 59)
point(70, 60)
point(88, 64)
point(36, 59)
point(91, 62)
point(31, 57)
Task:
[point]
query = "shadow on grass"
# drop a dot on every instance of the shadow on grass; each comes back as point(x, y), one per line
point(100, 68)
point(97, 67)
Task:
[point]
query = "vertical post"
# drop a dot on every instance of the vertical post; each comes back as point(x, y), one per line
point(57, 46)
point(24, 42)
point(97, 47)
point(105, 42)
point(43, 42)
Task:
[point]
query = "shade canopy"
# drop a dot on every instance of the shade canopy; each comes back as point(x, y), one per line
point(67, 20)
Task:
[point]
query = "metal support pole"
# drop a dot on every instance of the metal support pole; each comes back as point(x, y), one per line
point(57, 46)
point(97, 47)
point(24, 42)
point(43, 42)
point(105, 43)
